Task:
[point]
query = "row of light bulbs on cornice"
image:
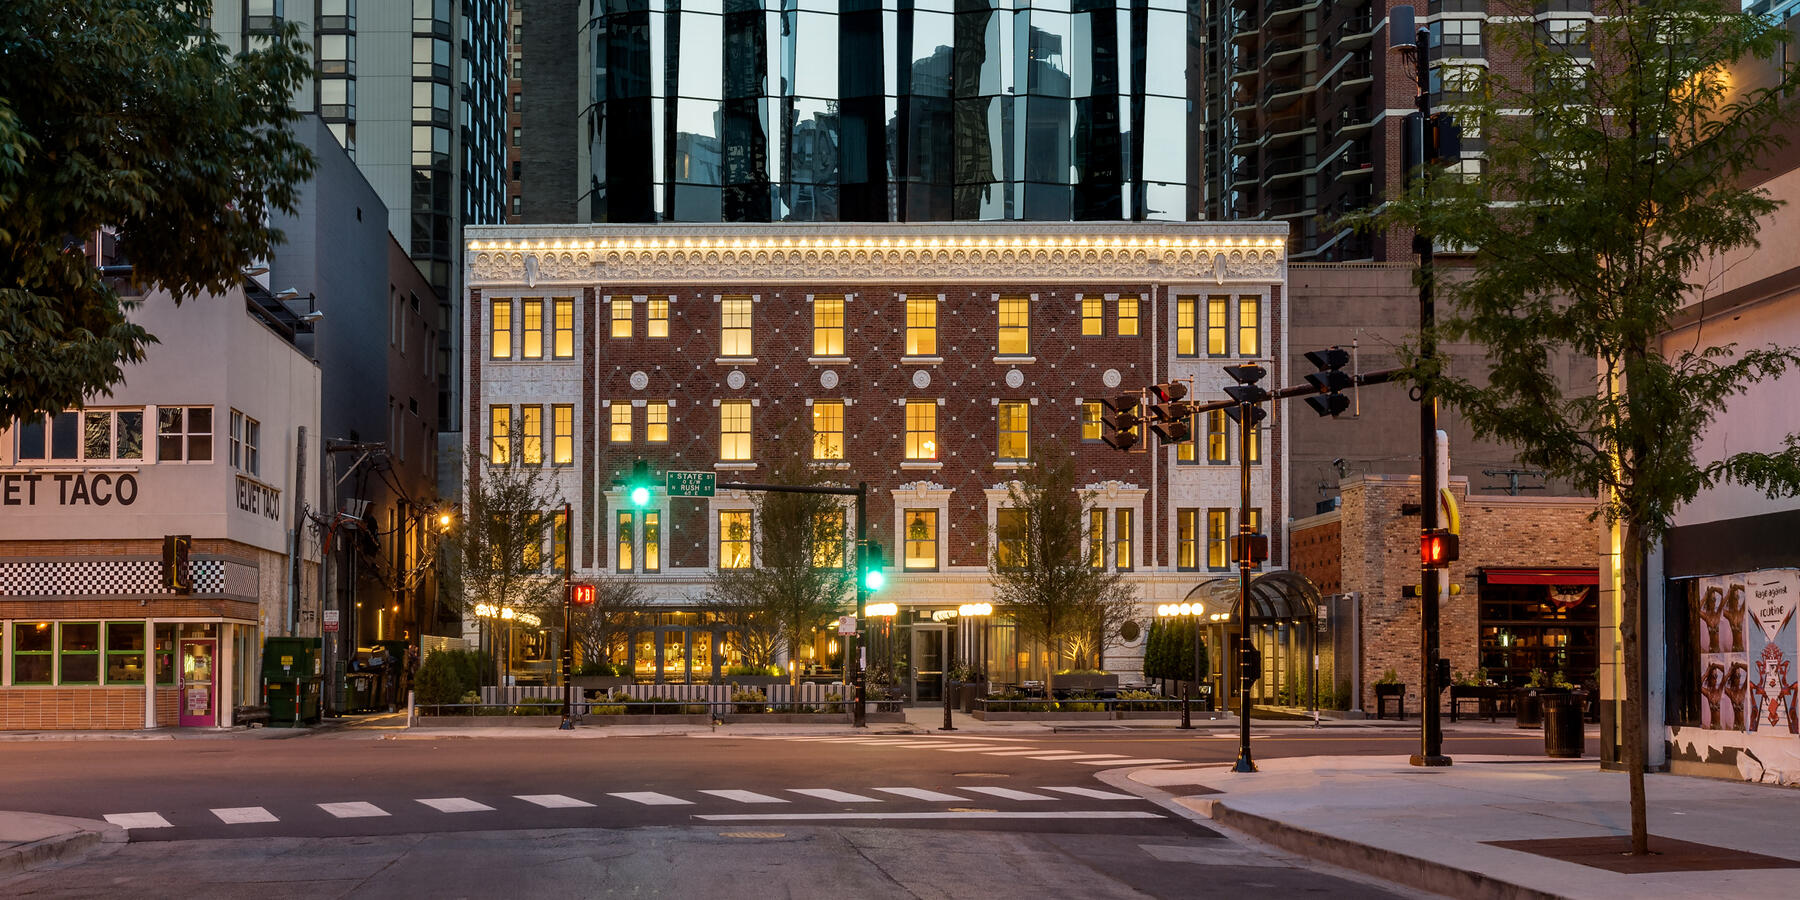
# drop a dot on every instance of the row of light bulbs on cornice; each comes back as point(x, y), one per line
point(883, 243)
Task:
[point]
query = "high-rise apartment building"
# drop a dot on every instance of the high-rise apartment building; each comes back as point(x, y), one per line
point(898, 110)
point(416, 93)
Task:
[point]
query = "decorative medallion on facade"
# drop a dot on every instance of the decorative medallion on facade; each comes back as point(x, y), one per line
point(921, 379)
point(639, 381)
point(735, 380)
point(1111, 378)
point(828, 379)
point(1014, 378)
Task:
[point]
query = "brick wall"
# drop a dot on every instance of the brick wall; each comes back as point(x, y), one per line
point(71, 708)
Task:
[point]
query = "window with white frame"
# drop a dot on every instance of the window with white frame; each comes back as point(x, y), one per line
point(246, 437)
point(184, 433)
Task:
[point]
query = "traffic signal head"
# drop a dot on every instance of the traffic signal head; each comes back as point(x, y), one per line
point(1125, 422)
point(1327, 404)
point(1168, 392)
point(1257, 413)
point(639, 486)
point(1438, 549)
point(1329, 380)
point(1328, 359)
point(872, 577)
point(1246, 389)
point(1172, 432)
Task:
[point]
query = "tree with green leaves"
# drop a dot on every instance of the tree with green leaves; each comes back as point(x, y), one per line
point(1041, 571)
point(128, 114)
point(1607, 180)
point(802, 575)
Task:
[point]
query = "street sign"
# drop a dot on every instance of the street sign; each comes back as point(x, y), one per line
point(331, 620)
point(846, 624)
point(691, 484)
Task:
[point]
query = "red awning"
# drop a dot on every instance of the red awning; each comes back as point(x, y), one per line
point(1541, 576)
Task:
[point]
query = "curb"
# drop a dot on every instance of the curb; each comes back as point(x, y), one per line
point(1381, 862)
point(57, 848)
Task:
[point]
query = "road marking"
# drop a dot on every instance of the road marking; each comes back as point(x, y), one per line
point(553, 801)
point(1090, 792)
point(1121, 762)
point(745, 796)
point(886, 743)
point(137, 820)
point(923, 794)
point(244, 815)
point(1007, 793)
point(1020, 752)
point(983, 814)
point(652, 798)
point(356, 810)
point(1071, 756)
point(834, 796)
point(456, 805)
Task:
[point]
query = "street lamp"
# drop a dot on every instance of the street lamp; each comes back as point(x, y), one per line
point(1191, 611)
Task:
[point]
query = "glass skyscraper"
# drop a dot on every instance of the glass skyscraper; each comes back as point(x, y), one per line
point(877, 110)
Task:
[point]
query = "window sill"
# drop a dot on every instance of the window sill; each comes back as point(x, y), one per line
point(735, 360)
point(828, 360)
point(829, 464)
point(1011, 464)
point(921, 360)
point(1016, 360)
point(734, 466)
point(921, 464)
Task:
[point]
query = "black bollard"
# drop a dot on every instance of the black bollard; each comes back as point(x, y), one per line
point(1186, 714)
point(948, 698)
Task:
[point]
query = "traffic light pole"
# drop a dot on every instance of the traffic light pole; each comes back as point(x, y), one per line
point(1246, 423)
point(568, 638)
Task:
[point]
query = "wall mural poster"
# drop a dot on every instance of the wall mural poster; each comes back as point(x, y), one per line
point(1772, 595)
point(1724, 665)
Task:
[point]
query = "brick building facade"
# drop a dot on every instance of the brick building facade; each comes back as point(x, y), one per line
point(929, 358)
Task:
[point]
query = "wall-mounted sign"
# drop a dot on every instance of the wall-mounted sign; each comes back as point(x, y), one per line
point(259, 499)
point(68, 488)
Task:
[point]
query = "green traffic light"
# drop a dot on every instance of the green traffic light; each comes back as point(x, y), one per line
point(640, 496)
point(873, 579)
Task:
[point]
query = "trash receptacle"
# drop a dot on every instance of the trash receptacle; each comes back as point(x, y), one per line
point(291, 668)
point(1563, 735)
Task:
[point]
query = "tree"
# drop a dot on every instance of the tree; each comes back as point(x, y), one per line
point(1588, 223)
point(619, 605)
point(506, 552)
point(802, 575)
point(1040, 567)
point(128, 114)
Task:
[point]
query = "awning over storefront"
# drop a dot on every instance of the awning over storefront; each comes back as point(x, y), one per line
point(1570, 577)
point(1274, 596)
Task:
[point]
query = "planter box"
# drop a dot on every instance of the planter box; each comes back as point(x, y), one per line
point(1087, 682)
point(487, 721)
point(1157, 714)
point(656, 719)
point(986, 716)
point(834, 718)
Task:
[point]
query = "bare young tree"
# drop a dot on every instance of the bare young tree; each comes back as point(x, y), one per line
point(606, 624)
point(1040, 569)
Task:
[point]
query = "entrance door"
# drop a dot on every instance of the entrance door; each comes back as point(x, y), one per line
point(929, 646)
point(199, 696)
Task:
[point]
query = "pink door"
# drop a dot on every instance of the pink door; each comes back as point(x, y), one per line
point(198, 694)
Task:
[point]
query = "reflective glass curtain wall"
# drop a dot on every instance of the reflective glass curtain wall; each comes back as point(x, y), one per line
point(892, 110)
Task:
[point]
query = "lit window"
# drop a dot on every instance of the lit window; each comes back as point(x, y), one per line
point(532, 347)
point(562, 423)
point(921, 429)
point(1093, 316)
point(182, 432)
point(1217, 538)
point(1128, 316)
point(564, 346)
point(531, 429)
point(1186, 326)
point(1096, 534)
point(1015, 326)
point(921, 325)
point(1218, 437)
point(1091, 414)
point(734, 539)
point(1249, 333)
point(621, 423)
point(734, 326)
point(1009, 538)
point(656, 422)
point(1015, 430)
point(501, 329)
point(499, 435)
point(531, 554)
point(33, 653)
point(125, 653)
point(624, 527)
point(828, 325)
point(921, 539)
point(734, 430)
point(652, 541)
point(1188, 451)
point(1254, 451)
point(828, 429)
point(559, 542)
point(656, 318)
point(1122, 539)
point(78, 653)
point(1187, 536)
point(828, 540)
point(1215, 326)
point(621, 317)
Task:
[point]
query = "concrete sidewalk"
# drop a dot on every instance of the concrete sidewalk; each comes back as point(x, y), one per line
point(1435, 829)
point(28, 840)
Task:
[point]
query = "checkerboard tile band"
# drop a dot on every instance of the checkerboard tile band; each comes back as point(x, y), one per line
point(115, 576)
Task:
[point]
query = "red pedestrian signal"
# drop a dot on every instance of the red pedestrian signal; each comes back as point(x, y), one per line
point(1438, 549)
point(581, 594)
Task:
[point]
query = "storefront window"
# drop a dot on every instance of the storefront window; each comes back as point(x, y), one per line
point(124, 653)
point(79, 659)
point(165, 654)
point(33, 643)
point(1538, 626)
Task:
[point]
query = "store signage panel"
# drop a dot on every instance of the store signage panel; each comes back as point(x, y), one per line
point(68, 488)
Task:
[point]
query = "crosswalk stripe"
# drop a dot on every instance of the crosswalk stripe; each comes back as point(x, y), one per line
point(1020, 752)
point(553, 801)
point(1120, 762)
point(1073, 756)
point(834, 796)
point(1090, 792)
point(456, 805)
point(244, 815)
point(970, 814)
point(353, 810)
point(652, 798)
point(922, 794)
point(1007, 793)
point(137, 820)
point(883, 743)
point(745, 796)
point(962, 748)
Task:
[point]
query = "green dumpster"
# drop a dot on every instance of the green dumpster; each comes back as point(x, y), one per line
point(291, 680)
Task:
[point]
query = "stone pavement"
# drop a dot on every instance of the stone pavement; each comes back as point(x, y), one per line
point(1439, 829)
